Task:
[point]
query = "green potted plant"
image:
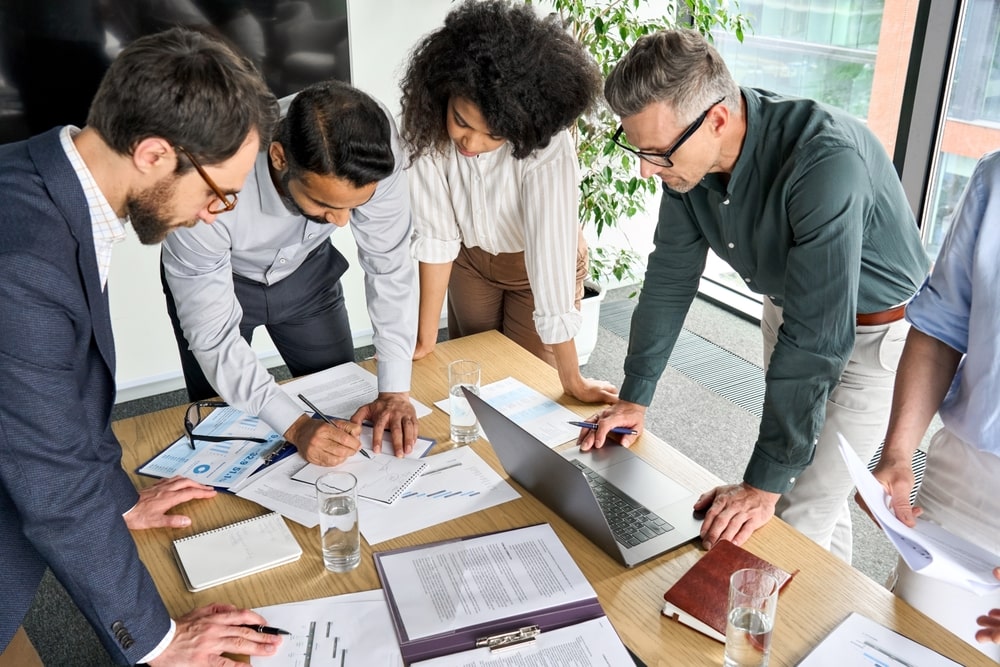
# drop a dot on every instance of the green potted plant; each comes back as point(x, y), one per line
point(611, 189)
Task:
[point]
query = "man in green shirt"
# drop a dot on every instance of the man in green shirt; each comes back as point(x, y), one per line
point(803, 202)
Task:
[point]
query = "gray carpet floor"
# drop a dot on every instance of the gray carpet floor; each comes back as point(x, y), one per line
point(714, 429)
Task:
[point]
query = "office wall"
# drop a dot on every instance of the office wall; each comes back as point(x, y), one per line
point(381, 33)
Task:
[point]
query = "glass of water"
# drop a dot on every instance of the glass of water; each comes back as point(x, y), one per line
point(753, 601)
point(337, 493)
point(464, 427)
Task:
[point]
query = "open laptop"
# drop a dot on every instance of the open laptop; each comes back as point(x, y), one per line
point(621, 503)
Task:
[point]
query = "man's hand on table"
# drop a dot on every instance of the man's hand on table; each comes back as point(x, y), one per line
point(393, 412)
point(204, 634)
point(323, 444)
point(155, 501)
point(733, 512)
point(621, 414)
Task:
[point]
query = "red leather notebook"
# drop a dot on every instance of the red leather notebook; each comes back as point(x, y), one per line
point(700, 597)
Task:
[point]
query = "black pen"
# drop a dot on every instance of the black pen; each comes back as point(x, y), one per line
point(328, 420)
point(266, 629)
point(617, 429)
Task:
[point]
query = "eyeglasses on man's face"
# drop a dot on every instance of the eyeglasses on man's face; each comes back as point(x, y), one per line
point(193, 417)
point(663, 159)
point(223, 201)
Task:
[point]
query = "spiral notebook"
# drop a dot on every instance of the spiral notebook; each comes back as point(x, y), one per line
point(381, 478)
point(224, 554)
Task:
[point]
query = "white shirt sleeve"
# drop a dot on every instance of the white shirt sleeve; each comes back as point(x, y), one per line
point(196, 262)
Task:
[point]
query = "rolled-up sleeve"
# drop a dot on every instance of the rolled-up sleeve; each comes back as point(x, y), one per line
point(550, 200)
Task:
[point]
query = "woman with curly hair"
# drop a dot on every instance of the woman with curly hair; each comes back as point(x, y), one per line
point(487, 100)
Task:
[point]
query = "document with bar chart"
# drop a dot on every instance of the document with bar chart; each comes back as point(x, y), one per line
point(353, 630)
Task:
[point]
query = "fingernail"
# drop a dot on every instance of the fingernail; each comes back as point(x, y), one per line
point(185, 521)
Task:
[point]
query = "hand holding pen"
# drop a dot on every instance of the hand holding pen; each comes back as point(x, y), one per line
point(617, 429)
point(329, 421)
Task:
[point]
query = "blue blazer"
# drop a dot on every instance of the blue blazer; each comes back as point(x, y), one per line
point(62, 488)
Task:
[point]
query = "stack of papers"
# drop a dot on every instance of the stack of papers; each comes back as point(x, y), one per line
point(928, 548)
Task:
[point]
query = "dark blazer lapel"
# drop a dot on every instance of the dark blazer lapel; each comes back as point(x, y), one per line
point(67, 194)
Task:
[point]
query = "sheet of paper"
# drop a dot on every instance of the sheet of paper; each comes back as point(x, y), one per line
point(275, 489)
point(353, 630)
point(340, 391)
point(456, 483)
point(928, 548)
point(860, 641)
point(535, 413)
point(589, 644)
point(220, 464)
point(381, 478)
point(445, 587)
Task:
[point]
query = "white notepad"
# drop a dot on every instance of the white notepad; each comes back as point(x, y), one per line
point(217, 556)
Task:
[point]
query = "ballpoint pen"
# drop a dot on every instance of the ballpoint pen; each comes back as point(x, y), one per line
point(266, 629)
point(617, 429)
point(327, 420)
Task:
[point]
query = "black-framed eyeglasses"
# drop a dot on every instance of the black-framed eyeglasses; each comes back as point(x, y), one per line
point(223, 201)
point(193, 417)
point(663, 159)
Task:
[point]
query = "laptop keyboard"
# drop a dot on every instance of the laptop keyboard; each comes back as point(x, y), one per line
point(631, 523)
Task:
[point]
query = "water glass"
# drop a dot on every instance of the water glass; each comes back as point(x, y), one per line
point(464, 427)
point(337, 493)
point(753, 601)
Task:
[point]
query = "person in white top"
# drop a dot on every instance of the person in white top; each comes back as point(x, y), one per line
point(487, 100)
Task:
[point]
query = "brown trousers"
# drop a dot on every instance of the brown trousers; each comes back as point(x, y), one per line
point(20, 652)
point(487, 292)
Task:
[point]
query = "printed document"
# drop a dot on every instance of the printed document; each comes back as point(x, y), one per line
point(463, 583)
point(340, 391)
point(858, 640)
point(928, 548)
point(225, 464)
point(589, 644)
point(455, 483)
point(353, 630)
point(528, 408)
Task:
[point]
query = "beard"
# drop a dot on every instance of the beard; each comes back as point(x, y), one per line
point(147, 211)
point(286, 199)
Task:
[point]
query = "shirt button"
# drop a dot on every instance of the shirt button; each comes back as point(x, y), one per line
point(791, 481)
point(731, 245)
point(746, 280)
point(725, 202)
point(282, 260)
point(310, 236)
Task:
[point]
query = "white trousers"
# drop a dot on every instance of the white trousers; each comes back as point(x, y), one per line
point(959, 492)
point(858, 407)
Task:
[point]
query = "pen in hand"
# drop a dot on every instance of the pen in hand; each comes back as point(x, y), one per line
point(266, 629)
point(327, 420)
point(617, 429)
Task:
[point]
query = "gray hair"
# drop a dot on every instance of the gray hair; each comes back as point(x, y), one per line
point(678, 67)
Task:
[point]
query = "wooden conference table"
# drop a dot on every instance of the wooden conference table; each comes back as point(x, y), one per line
point(820, 596)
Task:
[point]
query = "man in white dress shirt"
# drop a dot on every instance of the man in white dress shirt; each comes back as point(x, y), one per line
point(336, 159)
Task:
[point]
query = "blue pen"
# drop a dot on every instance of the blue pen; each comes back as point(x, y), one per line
point(617, 429)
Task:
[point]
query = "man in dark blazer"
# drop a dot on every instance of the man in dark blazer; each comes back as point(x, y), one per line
point(171, 135)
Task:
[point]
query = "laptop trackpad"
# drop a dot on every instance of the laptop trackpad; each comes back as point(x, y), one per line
point(638, 479)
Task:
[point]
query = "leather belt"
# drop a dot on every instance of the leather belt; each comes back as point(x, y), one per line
point(887, 316)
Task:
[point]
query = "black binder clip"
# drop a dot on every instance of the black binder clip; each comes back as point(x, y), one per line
point(509, 640)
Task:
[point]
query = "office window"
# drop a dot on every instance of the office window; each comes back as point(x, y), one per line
point(971, 118)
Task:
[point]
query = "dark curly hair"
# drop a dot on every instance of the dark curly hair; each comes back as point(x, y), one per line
point(529, 77)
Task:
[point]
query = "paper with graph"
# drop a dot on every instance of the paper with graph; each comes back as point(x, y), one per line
point(456, 483)
point(381, 478)
point(928, 548)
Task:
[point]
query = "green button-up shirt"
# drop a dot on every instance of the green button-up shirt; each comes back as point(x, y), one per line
point(814, 217)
